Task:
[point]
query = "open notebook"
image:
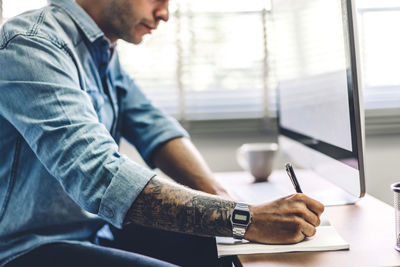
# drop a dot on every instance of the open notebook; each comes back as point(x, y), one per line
point(325, 239)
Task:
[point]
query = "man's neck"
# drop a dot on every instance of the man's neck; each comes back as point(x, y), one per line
point(94, 9)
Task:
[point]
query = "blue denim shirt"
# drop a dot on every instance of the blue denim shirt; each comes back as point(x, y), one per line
point(64, 104)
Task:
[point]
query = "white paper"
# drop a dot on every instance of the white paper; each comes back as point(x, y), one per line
point(325, 239)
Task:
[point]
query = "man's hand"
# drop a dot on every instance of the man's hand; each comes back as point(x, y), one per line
point(284, 221)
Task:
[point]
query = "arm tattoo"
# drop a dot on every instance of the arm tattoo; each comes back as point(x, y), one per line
point(165, 205)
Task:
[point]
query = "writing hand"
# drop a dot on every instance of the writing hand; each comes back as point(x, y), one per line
point(284, 221)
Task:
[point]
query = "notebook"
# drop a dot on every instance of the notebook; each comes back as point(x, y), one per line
point(325, 239)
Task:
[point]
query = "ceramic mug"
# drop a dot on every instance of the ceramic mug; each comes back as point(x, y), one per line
point(257, 158)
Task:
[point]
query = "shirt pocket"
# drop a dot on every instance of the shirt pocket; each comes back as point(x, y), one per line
point(101, 105)
point(97, 100)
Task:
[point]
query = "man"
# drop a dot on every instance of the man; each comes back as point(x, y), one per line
point(64, 104)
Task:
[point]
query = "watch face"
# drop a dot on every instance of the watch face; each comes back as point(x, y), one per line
point(241, 217)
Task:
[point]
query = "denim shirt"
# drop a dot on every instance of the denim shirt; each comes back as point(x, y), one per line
point(64, 104)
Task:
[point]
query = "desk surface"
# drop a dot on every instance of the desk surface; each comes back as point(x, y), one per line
point(368, 226)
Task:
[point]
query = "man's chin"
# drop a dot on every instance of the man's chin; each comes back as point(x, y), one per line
point(136, 42)
point(133, 39)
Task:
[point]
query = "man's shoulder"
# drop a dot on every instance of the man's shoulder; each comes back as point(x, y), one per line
point(48, 23)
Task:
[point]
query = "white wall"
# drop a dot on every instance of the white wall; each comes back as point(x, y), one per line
point(382, 165)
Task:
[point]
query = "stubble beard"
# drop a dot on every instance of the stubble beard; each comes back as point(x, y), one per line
point(120, 22)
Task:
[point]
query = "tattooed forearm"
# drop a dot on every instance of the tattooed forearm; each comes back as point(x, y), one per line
point(166, 205)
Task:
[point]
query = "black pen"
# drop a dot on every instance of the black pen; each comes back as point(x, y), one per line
point(292, 176)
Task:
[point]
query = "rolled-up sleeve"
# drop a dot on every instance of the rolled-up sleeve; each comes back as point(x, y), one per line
point(122, 191)
point(41, 96)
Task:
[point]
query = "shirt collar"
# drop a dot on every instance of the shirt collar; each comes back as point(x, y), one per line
point(81, 18)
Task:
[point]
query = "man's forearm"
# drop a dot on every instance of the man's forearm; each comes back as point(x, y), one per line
point(181, 161)
point(165, 205)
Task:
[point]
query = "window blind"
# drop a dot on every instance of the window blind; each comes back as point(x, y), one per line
point(207, 62)
point(380, 53)
point(381, 56)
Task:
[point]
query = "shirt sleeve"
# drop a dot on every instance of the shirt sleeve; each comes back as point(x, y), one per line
point(144, 125)
point(41, 96)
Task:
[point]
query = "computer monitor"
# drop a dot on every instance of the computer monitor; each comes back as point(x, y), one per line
point(320, 114)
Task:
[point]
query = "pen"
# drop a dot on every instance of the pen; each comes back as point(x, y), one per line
point(292, 176)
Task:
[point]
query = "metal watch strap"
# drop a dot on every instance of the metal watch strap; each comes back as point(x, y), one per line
point(242, 206)
point(238, 230)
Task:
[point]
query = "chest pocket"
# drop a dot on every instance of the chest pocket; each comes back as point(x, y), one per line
point(97, 99)
point(102, 106)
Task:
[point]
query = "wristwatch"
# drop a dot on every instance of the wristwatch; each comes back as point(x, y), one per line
point(240, 219)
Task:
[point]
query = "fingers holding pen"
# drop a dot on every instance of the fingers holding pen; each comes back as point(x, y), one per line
point(298, 207)
point(313, 205)
point(309, 209)
point(286, 220)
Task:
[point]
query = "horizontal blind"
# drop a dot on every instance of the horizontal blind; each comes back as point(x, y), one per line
point(222, 70)
point(206, 63)
point(381, 54)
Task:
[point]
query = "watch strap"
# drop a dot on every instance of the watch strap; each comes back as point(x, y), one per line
point(238, 230)
point(242, 206)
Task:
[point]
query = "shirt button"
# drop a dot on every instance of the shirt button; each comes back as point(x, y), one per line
point(108, 212)
point(104, 43)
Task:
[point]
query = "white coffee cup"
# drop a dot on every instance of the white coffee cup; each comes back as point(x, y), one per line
point(257, 158)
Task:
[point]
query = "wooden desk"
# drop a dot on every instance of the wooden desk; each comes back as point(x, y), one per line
point(368, 226)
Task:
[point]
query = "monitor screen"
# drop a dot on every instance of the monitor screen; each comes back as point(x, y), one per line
point(319, 108)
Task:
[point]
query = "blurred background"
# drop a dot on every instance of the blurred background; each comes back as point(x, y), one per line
point(214, 65)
